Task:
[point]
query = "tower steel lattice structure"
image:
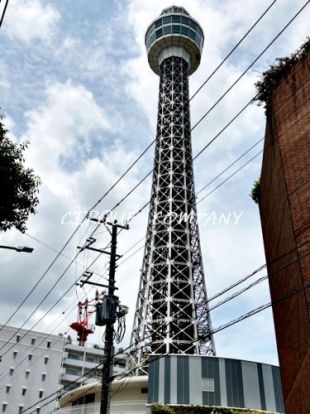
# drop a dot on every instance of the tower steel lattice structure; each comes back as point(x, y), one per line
point(171, 314)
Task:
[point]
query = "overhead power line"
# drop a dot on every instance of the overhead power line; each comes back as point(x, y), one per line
point(285, 27)
point(52, 307)
point(3, 12)
point(74, 232)
point(94, 369)
point(200, 200)
point(234, 48)
point(125, 172)
point(252, 64)
point(213, 331)
point(233, 321)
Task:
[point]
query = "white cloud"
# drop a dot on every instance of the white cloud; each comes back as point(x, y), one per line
point(28, 20)
point(64, 125)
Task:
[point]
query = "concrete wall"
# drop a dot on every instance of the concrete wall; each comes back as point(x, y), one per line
point(213, 381)
point(285, 216)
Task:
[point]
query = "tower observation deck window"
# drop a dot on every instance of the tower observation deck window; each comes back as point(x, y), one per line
point(152, 38)
point(166, 19)
point(185, 20)
point(176, 29)
point(192, 34)
point(158, 23)
point(176, 19)
point(184, 30)
point(159, 33)
point(166, 30)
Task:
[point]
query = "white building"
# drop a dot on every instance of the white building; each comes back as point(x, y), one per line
point(128, 396)
point(29, 369)
point(82, 361)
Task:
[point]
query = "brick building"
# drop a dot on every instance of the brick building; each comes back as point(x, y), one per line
point(285, 217)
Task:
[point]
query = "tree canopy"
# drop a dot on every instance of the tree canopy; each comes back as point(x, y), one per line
point(19, 185)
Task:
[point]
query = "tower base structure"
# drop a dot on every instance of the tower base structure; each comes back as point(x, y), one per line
point(179, 380)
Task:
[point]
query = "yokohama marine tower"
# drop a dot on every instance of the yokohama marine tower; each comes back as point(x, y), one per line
point(171, 314)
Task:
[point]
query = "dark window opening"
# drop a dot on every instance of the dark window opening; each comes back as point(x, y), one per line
point(159, 33)
point(166, 19)
point(158, 23)
point(88, 399)
point(176, 29)
point(176, 19)
point(166, 30)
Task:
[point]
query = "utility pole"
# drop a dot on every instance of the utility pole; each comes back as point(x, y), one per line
point(108, 310)
point(107, 316)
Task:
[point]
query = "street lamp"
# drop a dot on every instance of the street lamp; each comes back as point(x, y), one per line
point(24, 249)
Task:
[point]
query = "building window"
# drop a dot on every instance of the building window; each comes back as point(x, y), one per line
point(33, 341)
point(71, 371)
point(45, 360)
point(43, 377)
point(40, 393)
point(87, 399)
point(74, 356)
point(7, 388)
point(24, 389)
point(49, 344)
point(11, 371)
point(27, 373)
point(4, 405)
point(30, 356)
point(144, 390)
point(17, 338)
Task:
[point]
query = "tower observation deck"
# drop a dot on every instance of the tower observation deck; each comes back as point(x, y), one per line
point(172, 314)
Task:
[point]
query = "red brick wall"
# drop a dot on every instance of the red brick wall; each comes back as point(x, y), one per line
point(285, 216)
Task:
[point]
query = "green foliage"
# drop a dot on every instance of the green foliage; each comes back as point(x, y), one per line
point(255, 192)
point(197, 409)
point(274, 76)
point(19, 186)
point(162, 409)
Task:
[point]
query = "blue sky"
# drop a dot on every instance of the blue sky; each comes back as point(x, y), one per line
point(75, 81)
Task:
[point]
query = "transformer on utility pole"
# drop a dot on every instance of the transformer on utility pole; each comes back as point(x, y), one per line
point(172, 314)
point(108, 310)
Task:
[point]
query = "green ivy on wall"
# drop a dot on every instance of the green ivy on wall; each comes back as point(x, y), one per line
point(274, 76)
